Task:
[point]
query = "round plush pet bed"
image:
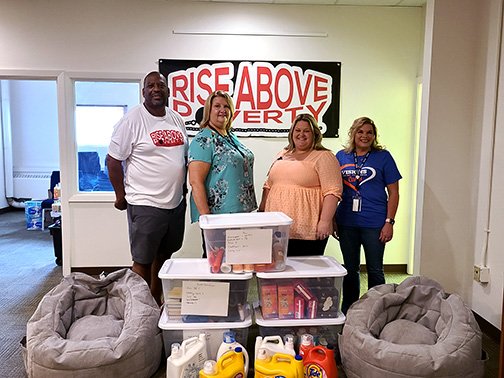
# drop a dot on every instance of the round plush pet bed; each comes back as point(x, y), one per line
point(91, 327)
point(411, 330)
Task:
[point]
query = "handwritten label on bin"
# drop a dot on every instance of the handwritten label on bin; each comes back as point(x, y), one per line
point(205, 298)
point(249, 246)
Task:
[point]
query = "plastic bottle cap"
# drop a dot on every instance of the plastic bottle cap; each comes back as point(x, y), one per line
point(238, 349)
point(306, 339)
point(175, 349)
point(330, 346)
point(209, 367)
point(262, 354)
point(228, 337)
point(298, 357)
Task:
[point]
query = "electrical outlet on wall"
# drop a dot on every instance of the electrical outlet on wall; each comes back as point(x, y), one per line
point(481, 274)
point(476, 273)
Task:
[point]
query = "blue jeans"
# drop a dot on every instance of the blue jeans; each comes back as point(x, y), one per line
point(351, 239)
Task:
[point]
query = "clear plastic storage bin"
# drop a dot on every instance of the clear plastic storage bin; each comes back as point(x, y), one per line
point(308, 288)
point(194, 295)
point(246, 242)
point(324, 331)
point(176, 332)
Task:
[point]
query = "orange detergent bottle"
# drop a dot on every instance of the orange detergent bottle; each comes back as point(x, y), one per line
point(279, 366)
point(319, 362)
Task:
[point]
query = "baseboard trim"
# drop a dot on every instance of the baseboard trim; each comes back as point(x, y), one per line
point(96, 271)
point(389, 268)
point(488, 328)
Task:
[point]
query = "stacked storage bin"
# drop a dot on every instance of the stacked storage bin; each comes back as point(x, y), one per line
point(198, 301)
point(304, 298)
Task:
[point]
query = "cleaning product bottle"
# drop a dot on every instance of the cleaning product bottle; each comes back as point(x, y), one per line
point(280, 365)
point(306, 343)
point(229, 344)
point(319, 362)
point(209, 369)
point(275, 344)
point(187, 360)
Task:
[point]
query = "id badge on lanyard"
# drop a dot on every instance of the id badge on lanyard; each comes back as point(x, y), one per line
point(356, 203)
point(357, 199)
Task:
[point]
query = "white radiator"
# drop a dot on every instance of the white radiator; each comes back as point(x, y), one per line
point(32, 185)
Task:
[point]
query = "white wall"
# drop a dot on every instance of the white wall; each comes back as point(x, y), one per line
point(460, 78)
point(379, 49)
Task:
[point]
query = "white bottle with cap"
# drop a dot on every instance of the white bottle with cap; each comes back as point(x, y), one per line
point(229, 343)
point(275, 344)
point(187, 360)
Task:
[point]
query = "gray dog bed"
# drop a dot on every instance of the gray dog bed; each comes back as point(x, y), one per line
point(411, 330)
point(89, 327)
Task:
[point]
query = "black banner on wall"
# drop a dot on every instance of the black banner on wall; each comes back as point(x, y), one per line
point(267, 95)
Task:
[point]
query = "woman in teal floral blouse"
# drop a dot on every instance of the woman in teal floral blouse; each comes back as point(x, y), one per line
point(220, 167)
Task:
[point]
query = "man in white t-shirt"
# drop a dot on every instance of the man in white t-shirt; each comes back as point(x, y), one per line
point(147, 160)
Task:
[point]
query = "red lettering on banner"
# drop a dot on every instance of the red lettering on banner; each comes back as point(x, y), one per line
point(314, 112)
point(261, 92)
point(222, 71)
point(283, 72)
point(176, 89)
point(204, 86)
point(273, 115)
point(302, 94)
point(318, 89)
point(294, 112)
point(177, 105)
point(264, 87)
point(242, 95)
point(191, 92)
point(252, 116)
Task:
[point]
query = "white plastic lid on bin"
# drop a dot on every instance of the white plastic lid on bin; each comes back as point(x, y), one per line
point(195, 269)
point(295, 322)
point(169, 325)
point(243, 220)
point(307, 267)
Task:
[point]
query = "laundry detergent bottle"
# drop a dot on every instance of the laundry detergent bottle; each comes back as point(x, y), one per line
point(319, 362)
point(230, 365)
point(187, 359)
point(306, 343)
point(275, 344)
point(229, 344)
point(279, 366)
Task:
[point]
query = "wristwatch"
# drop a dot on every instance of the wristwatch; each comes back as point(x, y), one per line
point(390, 220)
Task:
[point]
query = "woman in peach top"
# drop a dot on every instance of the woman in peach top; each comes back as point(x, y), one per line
point(304, 183)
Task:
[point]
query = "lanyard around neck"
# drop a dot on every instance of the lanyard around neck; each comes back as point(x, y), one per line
point(229, 138)
point(358, 168)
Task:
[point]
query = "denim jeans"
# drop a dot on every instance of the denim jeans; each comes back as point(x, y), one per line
point(351, 239)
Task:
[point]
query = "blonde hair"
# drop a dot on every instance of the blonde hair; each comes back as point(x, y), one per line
point(357, 124)
point(317, 134)
point(208, 106)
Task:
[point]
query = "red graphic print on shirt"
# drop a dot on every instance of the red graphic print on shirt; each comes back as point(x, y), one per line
point(167, 138)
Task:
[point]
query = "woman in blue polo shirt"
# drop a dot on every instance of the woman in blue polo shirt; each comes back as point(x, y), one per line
point(365, 215)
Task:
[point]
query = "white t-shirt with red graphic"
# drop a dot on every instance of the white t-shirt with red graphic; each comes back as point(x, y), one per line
point(153, 151)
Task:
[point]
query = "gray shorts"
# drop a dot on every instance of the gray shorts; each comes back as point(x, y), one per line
point(154, 231)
